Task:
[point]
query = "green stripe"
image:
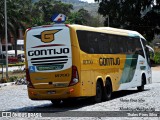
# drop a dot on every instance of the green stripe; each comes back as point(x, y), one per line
point(129, 68)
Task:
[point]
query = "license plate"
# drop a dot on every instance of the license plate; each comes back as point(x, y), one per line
point(51, 92)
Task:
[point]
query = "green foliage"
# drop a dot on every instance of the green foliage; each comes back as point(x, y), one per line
point(157, 57)
point(79, 17)
point(43, 10)
point(13, 18)
point(12, 79)
point(140, 15)
point(26, 13)
point(17, 16)
point(18, 71)
point(83, 17)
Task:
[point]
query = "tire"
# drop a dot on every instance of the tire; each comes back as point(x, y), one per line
point(107, 94)
point(141, 88)
point(56, 102)
point(98, 97)
point(69, 101)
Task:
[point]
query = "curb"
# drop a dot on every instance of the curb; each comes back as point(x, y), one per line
point(6, 84)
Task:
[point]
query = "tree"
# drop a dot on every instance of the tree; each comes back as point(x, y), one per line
point(24, 13)
point(81, 17)
point(46, 8)
point(150, 24)
point(15, 18)
point(131, 14)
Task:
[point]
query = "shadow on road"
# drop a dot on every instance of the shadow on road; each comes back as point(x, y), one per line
point(123, 93)
point(73, 105)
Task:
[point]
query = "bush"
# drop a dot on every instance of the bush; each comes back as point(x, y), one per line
point(157, 57)
point(18, 71)
point(12, 79)
point(16, 64)
point(3, 80)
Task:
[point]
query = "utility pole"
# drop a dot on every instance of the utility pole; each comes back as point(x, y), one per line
point(6, 37)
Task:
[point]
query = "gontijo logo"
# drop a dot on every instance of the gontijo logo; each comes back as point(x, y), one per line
point(47, 36)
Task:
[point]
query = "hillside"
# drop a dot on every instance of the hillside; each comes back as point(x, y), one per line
point(92, 8)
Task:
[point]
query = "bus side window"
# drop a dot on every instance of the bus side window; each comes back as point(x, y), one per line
point(93, 42)
point(90, 43)
point(138, 47)
point(103, 43)
point(129, 47)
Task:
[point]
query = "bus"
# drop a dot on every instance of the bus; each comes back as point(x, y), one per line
point(66, 61)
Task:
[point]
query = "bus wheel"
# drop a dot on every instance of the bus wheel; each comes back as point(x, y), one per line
point(69, 101)
point(98, 97)
point(141, 88)
point(107, 90)
point(56, 102)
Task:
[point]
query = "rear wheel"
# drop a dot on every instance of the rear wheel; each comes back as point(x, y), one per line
point(56, 102)
point(69, 101)
point(98, 97)
point(107, 90)
point(141, 88)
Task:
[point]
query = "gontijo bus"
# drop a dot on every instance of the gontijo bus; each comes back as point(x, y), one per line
point(74, 61)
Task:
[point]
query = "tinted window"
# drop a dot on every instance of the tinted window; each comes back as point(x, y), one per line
point(102, 43)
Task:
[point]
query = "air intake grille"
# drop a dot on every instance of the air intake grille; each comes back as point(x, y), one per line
point(55, 60)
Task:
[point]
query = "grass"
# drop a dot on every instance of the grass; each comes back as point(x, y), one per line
point(17, 64)
point(12, 76)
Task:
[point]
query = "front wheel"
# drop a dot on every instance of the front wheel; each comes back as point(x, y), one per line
point(56, 102)
point(141, 88)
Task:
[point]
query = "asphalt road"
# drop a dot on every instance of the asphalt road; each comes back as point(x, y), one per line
point(15, 99)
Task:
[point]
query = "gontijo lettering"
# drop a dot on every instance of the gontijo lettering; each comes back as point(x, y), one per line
point(109, 61)
point(48, 52)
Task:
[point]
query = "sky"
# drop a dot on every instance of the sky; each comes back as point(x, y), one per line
point(89, 1)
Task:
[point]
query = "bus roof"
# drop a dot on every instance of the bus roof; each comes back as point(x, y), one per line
point(130, 32)
point(109, 30)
